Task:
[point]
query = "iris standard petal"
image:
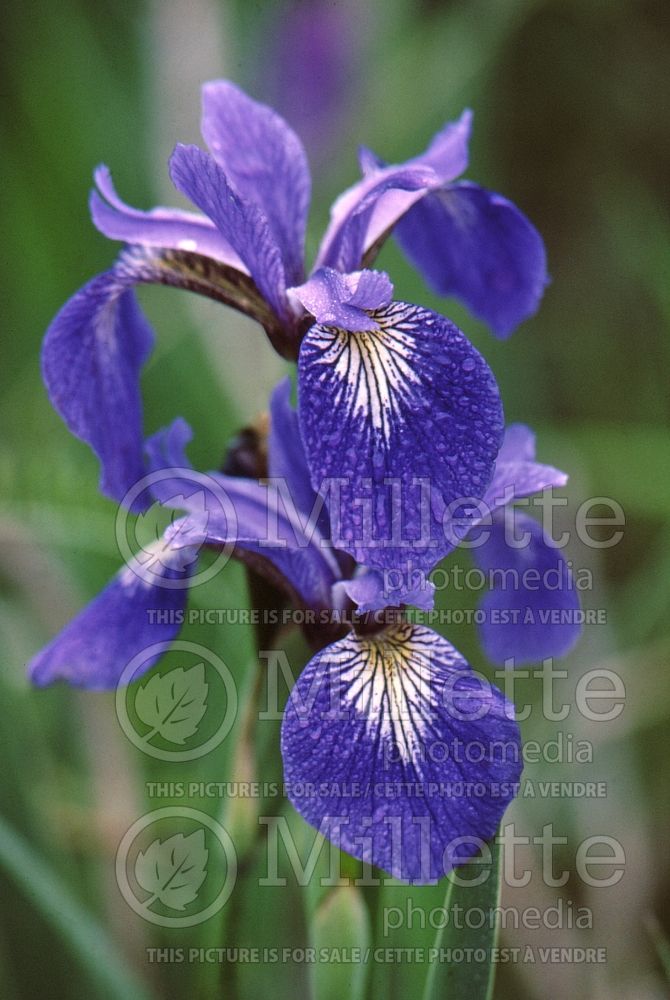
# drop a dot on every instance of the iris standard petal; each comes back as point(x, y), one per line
point(398, 424)
point(364, 214)
point(199, 177)
point(286, 454)
point(478, 247)
point(532, 609)
point(264, 161)
point(398, 752)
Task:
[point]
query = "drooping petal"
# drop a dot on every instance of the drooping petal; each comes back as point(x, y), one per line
point(264, 162)
point(169, 228)
point(131, 614)
point(516, 473)
point(345, 300)
point(532, 609)
point(477, 246)
point(395, 749)
point(252, 521)
point(364, 214)
point(398, 424)
point(199, 177)
point(91, 360)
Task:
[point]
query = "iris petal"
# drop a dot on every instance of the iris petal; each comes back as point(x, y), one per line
point(531, 611)
point(364, 214)
point(91, 360)
point(398, 423)
point(516, 472)
point(395, 749)
point(199, 177)
point(477, 246)
point(264, 161)
point(129, 615)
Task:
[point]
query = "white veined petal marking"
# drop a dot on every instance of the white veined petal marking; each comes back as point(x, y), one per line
point(372, 368)
point(385, 680)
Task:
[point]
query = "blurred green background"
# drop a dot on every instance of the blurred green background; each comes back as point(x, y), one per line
point(571, 123)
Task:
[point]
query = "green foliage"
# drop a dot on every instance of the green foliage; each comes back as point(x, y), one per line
point(569, 125)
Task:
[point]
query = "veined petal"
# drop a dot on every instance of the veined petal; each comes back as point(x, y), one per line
point(531, 610)
point(477, 246)
point(169, 228)
point(516, 473)
point(364, 214)
point(264, 162)
point(398, 752)
point(128, 616)
point(199, 177)
point(91, 360)
point(403, 421)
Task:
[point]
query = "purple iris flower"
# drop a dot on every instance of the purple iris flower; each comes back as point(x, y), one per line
point(393, 747)
point(396, 407)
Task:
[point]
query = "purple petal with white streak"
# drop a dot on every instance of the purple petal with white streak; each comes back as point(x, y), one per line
point(403, 421)
point(369, 744)
point(364, 213)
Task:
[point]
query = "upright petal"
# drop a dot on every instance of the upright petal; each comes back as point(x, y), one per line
point(364, 214)
point(532, 609)
point(242, 224)
point(91, 360)
point(401, 422)
point(131, 614)
point(398, 752)
point(477, 246)
point(264, 161)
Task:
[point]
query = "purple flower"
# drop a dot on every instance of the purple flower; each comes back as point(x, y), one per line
point(393, 747)
point(394, 402)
